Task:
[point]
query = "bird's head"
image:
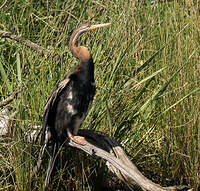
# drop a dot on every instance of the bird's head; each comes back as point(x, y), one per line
point(82, 52)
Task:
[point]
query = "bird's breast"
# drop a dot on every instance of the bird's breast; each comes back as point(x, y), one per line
point(79, 97)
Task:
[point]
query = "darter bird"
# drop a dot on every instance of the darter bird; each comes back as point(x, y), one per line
point(68, 104)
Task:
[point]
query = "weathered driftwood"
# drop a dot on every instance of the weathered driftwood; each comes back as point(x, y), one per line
point(117, 160)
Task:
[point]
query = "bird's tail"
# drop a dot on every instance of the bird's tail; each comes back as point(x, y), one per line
point(44, 129)
point(51, 163)
point(47, 137)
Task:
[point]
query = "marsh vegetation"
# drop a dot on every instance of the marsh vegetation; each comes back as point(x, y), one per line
point(147, 70)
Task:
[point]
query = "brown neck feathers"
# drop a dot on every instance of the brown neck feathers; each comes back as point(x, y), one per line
point(80, 52)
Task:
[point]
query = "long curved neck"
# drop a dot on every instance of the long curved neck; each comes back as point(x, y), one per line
point(80, 52)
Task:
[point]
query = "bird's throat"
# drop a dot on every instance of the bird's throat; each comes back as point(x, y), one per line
point(87, 67)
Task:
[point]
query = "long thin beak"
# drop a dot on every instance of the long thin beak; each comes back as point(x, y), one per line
point(92, 27)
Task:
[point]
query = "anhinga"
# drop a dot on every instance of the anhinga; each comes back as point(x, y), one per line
point(67, 106)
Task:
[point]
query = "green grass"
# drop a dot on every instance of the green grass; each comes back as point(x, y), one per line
point(147, 73)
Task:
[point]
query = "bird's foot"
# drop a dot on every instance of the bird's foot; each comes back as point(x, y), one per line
point(79, 140)
point(76, 139)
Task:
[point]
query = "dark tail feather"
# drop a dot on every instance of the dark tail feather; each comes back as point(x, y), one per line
point(51, 163)
point(41, 154)
point(38, 135)
point(44, 129)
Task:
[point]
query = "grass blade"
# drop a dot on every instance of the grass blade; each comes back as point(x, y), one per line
point(4, 76)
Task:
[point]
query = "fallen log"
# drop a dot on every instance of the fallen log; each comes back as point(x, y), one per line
point(117, 161)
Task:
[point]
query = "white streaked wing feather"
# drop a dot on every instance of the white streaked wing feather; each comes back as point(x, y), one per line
point(55, 93)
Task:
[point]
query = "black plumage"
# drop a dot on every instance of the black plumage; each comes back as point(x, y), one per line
point(67, 106)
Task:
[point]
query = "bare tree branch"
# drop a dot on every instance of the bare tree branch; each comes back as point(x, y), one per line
point(28, 43)
point(3, 4)
point(11, 97)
